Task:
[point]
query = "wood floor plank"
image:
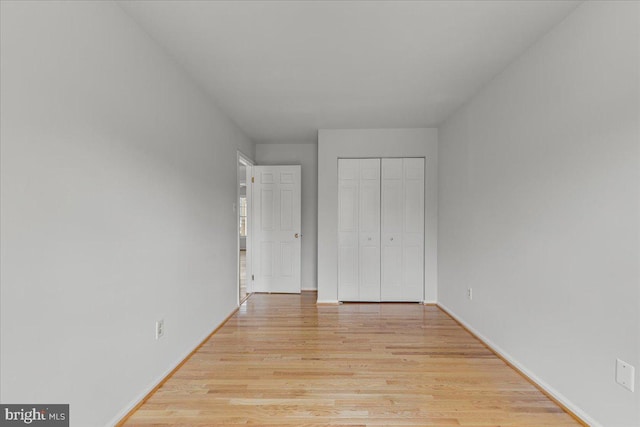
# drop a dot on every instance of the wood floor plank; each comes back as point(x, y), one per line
point(283, 361)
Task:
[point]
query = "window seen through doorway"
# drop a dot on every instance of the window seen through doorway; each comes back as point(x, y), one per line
point(243, 216)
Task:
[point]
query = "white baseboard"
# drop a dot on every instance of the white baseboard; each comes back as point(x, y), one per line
point(543, 385)
point(143, 394)
point(309, 289)
point(533, 377)
point(430, 302)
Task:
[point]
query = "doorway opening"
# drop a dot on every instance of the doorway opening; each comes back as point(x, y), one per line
point(244, 227)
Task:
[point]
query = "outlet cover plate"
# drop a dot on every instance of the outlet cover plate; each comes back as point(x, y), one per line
point(159, 328)
point(625, 374)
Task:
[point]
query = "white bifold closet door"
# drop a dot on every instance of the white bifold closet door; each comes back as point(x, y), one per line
point(402, 236)
point(381, 229)
point(359, 229)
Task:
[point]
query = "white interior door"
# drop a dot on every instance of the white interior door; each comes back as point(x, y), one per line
point(359, 229)
point(402, 232)
point(277, 229)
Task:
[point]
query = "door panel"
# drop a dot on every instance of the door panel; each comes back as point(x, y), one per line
point(369, 235)
point(392, 199)
point(348, 205)
point(413, 272)
point(286, 209)
point(392, 223)
point(287, 177)
point(369, 207)
point(286, 256)
point(348, 288)
point(413, 206)
point(413, 236)
point(277, 216)
point(402, 229)
point(265, 257)
point(266, 204)
point(359, 229)
point(391, 272)
point(348, 242)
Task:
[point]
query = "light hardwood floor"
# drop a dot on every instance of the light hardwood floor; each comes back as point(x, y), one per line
point(283, 361)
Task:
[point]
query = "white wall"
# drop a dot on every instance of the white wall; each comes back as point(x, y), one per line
point(539, 210)
point(333, 144)
point(118, 179)
point(305, 155)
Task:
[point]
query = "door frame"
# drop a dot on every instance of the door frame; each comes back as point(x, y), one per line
point(249, 164)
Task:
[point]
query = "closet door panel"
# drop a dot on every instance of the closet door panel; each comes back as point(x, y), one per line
point(412, 271)
point(391, 235)
point(413, 230)
point(348, 273)
point(369, 221)
point(348, 235)
point(391, 287)
point(392, 195)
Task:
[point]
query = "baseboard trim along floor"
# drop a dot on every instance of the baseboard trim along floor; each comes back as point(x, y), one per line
point(284, 360)
point(122, 419)
point(571, 409)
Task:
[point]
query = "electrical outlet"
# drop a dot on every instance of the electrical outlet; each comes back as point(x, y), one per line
point(159, 328)
point(469, 293)
point(625, 374)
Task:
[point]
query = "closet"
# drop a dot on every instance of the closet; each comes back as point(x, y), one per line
point(381, 229)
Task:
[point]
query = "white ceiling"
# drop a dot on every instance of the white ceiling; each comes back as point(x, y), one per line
point(284, 69)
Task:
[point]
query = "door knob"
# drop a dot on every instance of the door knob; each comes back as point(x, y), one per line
point(296, 235)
